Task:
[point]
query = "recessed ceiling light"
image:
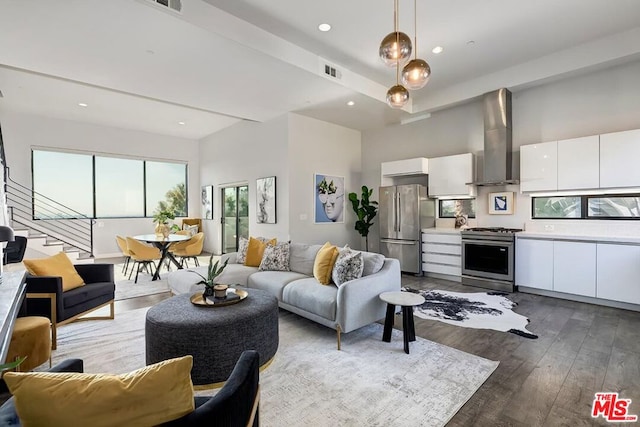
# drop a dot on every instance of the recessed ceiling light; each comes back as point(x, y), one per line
point(82, 104)
point(437, 49)
point(471, 42)
point(324, 27)
point(181, 123)
point(351, 103)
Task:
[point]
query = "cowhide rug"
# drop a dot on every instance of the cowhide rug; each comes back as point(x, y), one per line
point(479, 310)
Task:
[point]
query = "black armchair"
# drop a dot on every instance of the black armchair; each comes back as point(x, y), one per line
point(236, 404)
point(8, 415)
point(45, 296)
point(14, 252)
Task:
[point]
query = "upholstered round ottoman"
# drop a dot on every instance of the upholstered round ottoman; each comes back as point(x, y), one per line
point(214, 336)
point(31, 337)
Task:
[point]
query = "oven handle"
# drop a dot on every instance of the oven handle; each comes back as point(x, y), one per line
point(488, 242)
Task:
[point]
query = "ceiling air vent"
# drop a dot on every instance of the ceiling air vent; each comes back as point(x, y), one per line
point(175, 5)
point(330, 71)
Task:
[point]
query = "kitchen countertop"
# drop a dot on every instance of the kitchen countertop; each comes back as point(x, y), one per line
point(579, 237)
point(441, 230)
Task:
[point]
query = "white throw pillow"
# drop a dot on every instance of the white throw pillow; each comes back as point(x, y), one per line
point(349, 266)
point(192, 230)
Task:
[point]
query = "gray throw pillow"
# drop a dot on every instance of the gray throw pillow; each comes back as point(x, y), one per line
point(275, 257)
point(372, 262)
point(349, 266)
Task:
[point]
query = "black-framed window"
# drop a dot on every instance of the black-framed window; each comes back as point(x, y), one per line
point(592, 206)
point(447, 208)
point(101, 186)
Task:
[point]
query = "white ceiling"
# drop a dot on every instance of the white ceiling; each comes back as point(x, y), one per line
point(140, 66)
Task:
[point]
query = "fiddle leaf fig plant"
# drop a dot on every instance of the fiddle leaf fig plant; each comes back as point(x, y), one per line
point(366, 210)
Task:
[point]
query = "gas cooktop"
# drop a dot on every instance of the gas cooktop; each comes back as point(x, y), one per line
point(493, 230)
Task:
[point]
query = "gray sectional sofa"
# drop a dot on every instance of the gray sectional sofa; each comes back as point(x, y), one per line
point(344, 308)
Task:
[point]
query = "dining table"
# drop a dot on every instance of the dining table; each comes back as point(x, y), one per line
point(163, 243)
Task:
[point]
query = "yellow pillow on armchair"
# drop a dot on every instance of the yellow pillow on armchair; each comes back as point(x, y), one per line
point(148, 396)
point(58, 265)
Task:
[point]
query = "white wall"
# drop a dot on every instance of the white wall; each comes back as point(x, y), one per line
point(21, 132)
point(598, 102)
point(241, 154)
point(316, 146)
point(293, 148)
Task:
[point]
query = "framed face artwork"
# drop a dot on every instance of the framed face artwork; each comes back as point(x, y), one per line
point(501, 203)
point(207, 202)
point(266, 200)
point(328, 199)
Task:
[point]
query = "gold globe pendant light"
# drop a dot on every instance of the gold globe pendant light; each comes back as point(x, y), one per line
point(396, 46)
point(398, 95)
point(415, 75)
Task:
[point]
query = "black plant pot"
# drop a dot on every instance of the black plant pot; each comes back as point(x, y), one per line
point(208, 291)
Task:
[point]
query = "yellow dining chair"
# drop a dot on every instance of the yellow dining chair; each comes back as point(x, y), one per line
point(189, 249)
point(142, 255)
point(122, 244)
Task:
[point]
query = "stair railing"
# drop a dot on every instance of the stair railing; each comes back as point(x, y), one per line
point(45, 215)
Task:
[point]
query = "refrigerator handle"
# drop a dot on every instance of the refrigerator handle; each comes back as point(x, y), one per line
point(399, 242)
point(398, 213)
point(395, 209)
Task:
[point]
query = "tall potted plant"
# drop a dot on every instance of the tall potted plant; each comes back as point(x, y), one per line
point(366, 210)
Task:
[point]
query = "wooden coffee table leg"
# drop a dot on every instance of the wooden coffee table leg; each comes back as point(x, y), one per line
point(388, 323)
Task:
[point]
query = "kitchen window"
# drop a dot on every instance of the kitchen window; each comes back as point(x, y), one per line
point(607, 206)
point(447, 208)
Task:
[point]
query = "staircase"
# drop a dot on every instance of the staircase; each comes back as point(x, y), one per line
point(49, 226)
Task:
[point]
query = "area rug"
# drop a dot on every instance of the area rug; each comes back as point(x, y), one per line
point(311, 383)
point(126, 289)
point(479, 310)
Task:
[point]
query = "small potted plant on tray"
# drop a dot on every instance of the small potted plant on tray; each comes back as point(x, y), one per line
point(209, 282)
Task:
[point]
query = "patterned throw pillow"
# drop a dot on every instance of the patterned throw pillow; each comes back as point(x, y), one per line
point(348, 266)
point(243, 245)
point(275, 257)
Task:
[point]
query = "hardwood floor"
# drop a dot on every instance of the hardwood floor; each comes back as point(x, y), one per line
point(550, 381)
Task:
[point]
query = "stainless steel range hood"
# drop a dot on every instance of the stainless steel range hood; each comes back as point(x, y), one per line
point(497, 139)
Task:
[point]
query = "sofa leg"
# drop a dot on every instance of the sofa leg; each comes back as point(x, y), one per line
point(111, 310)
point(338, 332)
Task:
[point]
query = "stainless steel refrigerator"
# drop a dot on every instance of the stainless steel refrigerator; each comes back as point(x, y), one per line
point(404, 211)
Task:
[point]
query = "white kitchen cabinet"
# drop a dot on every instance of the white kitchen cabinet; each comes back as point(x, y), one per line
point(449, 175)
point(579, 163)
point(574, 268)
point(619, 153)
point(618, 272)
point(442, 253)
point(539, 167)
point(416, 166)
point(534, 263)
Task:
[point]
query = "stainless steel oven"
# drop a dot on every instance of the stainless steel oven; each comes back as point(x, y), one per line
point(488, 258)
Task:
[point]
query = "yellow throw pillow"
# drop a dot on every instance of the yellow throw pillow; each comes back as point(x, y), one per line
point(57, 265)
point(255, 250)
point(146, 397)
point(323, 264)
